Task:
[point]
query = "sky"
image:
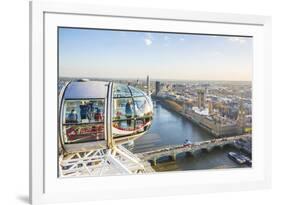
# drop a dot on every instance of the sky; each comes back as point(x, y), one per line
point(134, 55)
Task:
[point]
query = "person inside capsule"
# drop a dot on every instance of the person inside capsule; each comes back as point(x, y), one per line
point(129, 112)
point(72, 117)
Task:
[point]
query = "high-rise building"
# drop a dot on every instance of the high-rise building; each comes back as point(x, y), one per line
point(157, 87)
point(201, 98)
point(148, 85)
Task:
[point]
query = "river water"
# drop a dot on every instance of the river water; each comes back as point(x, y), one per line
point(170, 128)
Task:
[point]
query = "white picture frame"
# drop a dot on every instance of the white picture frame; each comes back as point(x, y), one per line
point(46, 187)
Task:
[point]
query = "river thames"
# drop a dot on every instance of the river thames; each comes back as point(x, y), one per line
point(170, 128)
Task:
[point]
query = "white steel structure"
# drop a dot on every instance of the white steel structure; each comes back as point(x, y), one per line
point(101, 162)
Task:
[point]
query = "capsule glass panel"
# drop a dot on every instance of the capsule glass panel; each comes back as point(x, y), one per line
point(136, 92)
point(121, 91)
point(83, 120)
point(123, 108)
point(132, 111)
point(142, 107)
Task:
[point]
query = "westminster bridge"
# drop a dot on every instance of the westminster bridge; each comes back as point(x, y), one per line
point(174, 150)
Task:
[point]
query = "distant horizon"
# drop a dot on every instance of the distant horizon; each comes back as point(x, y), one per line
point(125, 54)
point(154, 79)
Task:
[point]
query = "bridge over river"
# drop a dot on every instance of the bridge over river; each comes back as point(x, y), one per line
point(173, 151)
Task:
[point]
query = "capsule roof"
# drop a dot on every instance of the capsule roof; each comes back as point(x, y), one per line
point(86, 89)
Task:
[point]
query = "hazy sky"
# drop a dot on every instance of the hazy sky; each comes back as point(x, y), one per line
point(123, 54)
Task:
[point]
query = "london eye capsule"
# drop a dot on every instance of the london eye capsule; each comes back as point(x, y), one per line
point(93, 114)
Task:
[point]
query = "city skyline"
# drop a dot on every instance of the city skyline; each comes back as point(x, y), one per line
point(163, 56)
